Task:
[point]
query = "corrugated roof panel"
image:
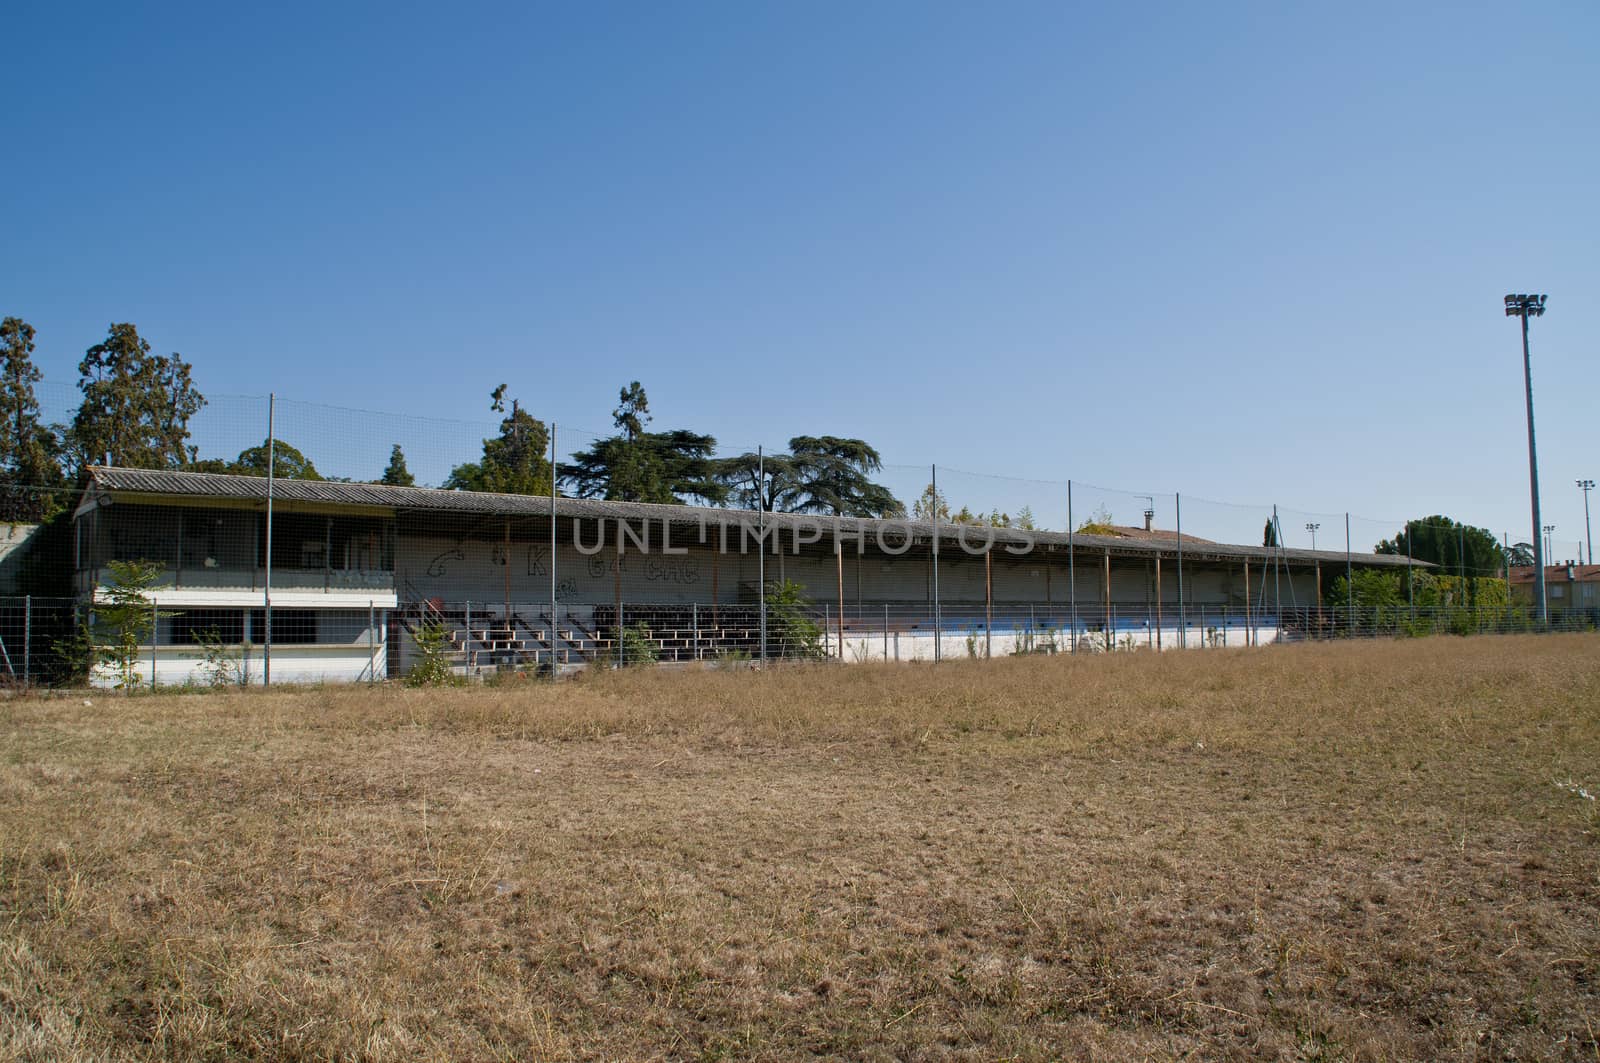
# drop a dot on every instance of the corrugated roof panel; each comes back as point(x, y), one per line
point(426, 499)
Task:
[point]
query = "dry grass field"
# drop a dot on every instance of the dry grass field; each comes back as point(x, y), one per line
point(1368, 851)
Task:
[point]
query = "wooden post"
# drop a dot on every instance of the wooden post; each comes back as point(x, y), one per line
point(1108, 591)
point(506, 560)
point(1249, 632)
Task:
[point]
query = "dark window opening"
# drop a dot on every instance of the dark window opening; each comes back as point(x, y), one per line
point(288, 625)
point(194, 627)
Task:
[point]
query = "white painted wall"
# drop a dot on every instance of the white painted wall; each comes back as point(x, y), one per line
point(185, 665)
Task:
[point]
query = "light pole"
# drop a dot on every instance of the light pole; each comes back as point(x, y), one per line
point(1548, 529)
point(1526, 306)
point(1588, 535)
point(1312, 528)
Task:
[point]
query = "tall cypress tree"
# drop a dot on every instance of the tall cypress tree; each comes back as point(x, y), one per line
point(136, 405)
point(397, 475)
point(30, 452)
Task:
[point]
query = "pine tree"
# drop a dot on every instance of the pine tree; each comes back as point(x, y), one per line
point(397, 475)
point(30, 465)
point(640, 466)
point(514, 462)
point(136, 406)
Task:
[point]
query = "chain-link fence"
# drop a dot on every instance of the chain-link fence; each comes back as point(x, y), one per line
point(177, 576)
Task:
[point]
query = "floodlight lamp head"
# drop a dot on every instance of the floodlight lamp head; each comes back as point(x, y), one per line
point(1525, 305)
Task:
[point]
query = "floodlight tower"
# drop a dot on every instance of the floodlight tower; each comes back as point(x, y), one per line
point(1312, 528)
point(1526, 306)
point(1586, 486)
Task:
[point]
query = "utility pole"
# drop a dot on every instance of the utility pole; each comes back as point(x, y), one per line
point(1526, 306)
point(1312, 528)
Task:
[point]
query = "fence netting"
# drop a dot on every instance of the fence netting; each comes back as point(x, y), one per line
point(108, 577)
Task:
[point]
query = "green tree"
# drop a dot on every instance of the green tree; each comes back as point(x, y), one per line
point(667, 467)
point(636, 465)
point(744, 487)
point(136, 405)
point(397, 475)
point(514, 462)
point(820, 474)
point(1098, 523)
point(1520, 555)
point(632, 412)
point(792, 628)
point(288, 463)
point(831, 475)
point(1458, 549)
point(30, 452)
point(931, 505)
point(126, 620)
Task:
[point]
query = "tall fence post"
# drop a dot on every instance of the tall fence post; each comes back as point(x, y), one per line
point(694, 623)
point(553, 551)
point(885, 632)
point(27, 640)
point(1183, 615)
point(155, 634)
point(372, 642)
point(1072, 571)
point(266, 593)
point(938, 617)
point(761, 544)
point(1349, 579)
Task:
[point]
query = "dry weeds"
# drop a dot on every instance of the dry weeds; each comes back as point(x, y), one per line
point(1321, 852)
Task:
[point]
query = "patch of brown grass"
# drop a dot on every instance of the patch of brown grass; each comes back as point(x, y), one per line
point(1338, 851)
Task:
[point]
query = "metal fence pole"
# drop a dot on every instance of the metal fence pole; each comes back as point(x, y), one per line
point(938, 616)
point(1072, 571)
point(761, 544)
point(886, 631)
point(266, 645)
point(1183, 616)
point(1349, 578)
point(372, 642)
point(155, 624)
point(553, 551)
point(27, 640)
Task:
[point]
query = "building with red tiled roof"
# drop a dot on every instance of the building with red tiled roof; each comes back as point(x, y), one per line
point(1569, 586)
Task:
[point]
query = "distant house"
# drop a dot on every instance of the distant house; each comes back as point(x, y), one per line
point(1569, 587)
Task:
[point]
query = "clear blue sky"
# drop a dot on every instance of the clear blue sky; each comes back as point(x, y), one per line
point(1249, 252)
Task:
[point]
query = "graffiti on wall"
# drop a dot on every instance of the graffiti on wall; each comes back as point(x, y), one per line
point(437, 567)
point(676, 570)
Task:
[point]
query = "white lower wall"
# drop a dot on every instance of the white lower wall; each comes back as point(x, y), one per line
point(186, 665)
point(955, 645)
